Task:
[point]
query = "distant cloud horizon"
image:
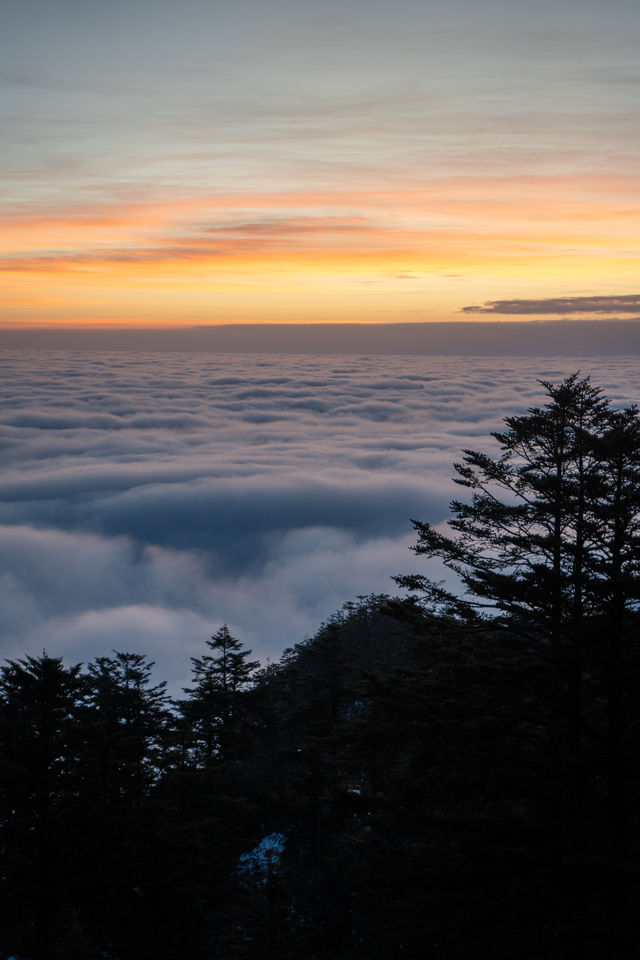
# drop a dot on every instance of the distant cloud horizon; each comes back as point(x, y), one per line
point(614, 336)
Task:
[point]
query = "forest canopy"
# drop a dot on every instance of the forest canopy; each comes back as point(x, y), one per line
point(448, 773)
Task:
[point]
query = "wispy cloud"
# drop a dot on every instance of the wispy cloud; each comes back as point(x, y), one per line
point(449, 226)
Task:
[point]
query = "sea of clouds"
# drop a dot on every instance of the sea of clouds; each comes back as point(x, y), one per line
point(145, 499)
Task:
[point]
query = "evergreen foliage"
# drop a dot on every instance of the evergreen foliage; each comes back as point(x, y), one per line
point(212, 708)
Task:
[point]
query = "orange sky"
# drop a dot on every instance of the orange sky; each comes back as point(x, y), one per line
point(419, 252)
point(181, 169)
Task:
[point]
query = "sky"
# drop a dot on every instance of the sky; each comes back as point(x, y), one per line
point(146, 499)
point(357, 161)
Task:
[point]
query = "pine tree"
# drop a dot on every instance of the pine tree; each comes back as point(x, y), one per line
point(116, 823)
point(548, 548)
point(38, 702)
point(519, 545)
point(213, 703)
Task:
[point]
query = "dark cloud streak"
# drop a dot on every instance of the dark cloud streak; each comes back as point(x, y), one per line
point(628, 303)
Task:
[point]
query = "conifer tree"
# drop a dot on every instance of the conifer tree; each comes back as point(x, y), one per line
point(520, 544)
point(213, 702)
point(38, 702)
point(121, 720)
point(548, 548)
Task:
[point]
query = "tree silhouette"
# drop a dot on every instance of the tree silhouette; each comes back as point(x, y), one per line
point(212, 705)
point(547, 547)
point(122, 720)
point(38, 699)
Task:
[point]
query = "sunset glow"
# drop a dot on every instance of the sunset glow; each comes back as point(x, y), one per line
point(415, 253)
point(199, 191)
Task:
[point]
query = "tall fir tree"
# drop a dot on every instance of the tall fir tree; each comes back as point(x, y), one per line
point(547, 546)
point(38, 706)
point(213, 704)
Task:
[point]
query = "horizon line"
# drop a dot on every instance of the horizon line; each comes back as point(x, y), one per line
point(530, 337)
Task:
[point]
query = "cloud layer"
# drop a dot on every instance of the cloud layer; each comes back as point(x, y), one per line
point(146, 499)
